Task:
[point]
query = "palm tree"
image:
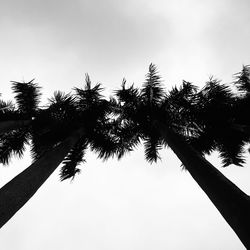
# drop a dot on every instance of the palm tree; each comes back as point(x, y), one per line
point(176, 120)
point(60, 134)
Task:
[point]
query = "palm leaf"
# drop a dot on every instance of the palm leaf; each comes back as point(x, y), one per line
point(152, 146)
point(27, 96)
point(13, 144)
point(89, 95)
point(73, 159)
point(54, 124)
point(242, 81)
point(152, 91)
point(8, 111)
point(102, 141)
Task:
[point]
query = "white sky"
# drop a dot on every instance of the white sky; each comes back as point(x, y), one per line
point(127, 204)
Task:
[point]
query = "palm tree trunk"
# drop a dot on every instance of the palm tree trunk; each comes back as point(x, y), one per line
point(232, 203)
point(21, 188)
point(7, 126)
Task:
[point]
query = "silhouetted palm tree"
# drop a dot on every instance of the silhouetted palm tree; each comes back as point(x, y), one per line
point(177, 120)
point(191, 122)
point(60, 134)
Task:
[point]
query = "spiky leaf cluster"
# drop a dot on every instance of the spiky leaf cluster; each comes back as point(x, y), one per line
point(27, 99)
point(27, 96)
point(212, 118)
point(215, 115)
point(242, 80)
point(203, 118)
point(152, 91)
point(242, 103)
point(74, 158)
point(138, 109)
point(13, 144)
point(8, 111)
point(86, 109)
point(180, 105)
point(94, 111)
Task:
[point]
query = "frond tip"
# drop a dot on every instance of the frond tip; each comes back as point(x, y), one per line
point(27, 96)
point(152, 90)
point(72, 160)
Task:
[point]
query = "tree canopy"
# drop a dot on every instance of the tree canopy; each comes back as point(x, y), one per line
point(214, 117)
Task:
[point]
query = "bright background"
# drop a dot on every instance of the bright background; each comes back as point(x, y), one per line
point(128, 204)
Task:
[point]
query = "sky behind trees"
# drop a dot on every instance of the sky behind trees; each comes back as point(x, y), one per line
point(128, 204)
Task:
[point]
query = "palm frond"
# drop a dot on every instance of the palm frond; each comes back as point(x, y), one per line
point(74, 158)
point(89, 95)
point(6, 106)
point(128, 137)
point(183, 95)
point(127, 95)
point(13, 144)
point(215, 94)
point(102, 143)
point(62, 108)
point(54, 124)
point(8, 111)
point(242, 79)
point(152, 146)
point(180, 106)
point(152, 91)
point(61, 99)
point(27, 96)
point(231, 148)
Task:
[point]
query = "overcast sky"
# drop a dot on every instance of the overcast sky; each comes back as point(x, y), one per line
point(128, 204)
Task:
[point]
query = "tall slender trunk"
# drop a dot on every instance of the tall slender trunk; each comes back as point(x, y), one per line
point(20, 189)
point(7, 126)
point(232, 203)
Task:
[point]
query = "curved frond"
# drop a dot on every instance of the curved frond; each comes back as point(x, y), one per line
point(27, 96)
point(180, 106)
point(13, 144)
point(102, 140)
point(127, 95)
point(89, 95)
point(128, 137)
point(74, 158)
point(231, 148)
point(152, 91)
point(8, 111)
point(242, 80)
point(152, 146)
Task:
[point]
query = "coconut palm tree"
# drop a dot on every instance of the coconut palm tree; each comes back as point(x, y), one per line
point(175, 119)
point(60, 134)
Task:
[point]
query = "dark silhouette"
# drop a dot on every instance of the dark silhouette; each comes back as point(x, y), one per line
point(12, 118)
point(15, 125)
point(59, 134)
point(191, 123)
